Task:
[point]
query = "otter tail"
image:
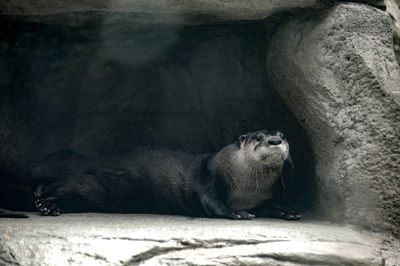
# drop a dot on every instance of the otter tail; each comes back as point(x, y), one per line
point(10, 214)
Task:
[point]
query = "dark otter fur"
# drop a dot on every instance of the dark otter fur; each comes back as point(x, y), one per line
point(10, 214)
point(227, 184)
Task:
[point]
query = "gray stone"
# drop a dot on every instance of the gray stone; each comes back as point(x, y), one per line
point(394, 11)
point(115, 239)
point(337, 72)
point(376, 3)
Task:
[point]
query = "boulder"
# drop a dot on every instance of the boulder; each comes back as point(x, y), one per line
point(394, 12)
point(134, 239)
point(337, 72)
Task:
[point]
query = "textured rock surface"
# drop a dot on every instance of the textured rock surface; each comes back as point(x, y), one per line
point(376, 3)
point(394, 11)
point(111, 239)
point(170, 11)
point(337, 72)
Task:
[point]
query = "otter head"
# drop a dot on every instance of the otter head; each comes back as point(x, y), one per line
point(264, 146)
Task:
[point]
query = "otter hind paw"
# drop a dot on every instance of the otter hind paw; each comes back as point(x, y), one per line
point(46, 206)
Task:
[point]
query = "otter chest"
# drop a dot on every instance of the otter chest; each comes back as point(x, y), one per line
point(247, 198)
point(250, 183)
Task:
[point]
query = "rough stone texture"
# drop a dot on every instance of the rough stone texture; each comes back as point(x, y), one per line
point(167, 11)
point(112, 239)
point(375, 3)
point(337, 72)
point(394, 11)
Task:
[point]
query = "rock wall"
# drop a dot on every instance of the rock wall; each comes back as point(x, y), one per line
point(78, 12)
point(394, 11)
point(338, 73)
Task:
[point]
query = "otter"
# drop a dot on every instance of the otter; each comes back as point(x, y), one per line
point(237, 182)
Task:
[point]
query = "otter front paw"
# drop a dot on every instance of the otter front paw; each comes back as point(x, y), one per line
point(243, 215)
point(290, 215)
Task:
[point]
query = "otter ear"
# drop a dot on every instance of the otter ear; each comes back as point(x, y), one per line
point(242, 138)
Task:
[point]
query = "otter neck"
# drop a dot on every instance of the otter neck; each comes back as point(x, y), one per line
point(242, 169)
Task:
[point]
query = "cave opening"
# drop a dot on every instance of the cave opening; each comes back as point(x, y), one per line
point(104, 89)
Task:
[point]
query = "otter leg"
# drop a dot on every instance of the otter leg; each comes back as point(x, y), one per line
point(275, 211)
point(45, 205)
point(215, 208)
point(245, 215)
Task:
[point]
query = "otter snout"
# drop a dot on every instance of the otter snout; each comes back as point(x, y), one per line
point(275, 141)
point(265, 146)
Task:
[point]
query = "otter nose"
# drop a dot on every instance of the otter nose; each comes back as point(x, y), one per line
point(274, 141)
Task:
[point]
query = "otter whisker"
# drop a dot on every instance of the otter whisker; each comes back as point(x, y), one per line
point(255, 178)
point(259, 181)
point(283, 182)
point(250, 177)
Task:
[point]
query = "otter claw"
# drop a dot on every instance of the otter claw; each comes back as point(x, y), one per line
point(237, 217)
point(244, 215)
point(290, 217)
point(46, 206)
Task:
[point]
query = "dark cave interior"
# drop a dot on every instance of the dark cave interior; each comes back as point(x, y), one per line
point(105, 89)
